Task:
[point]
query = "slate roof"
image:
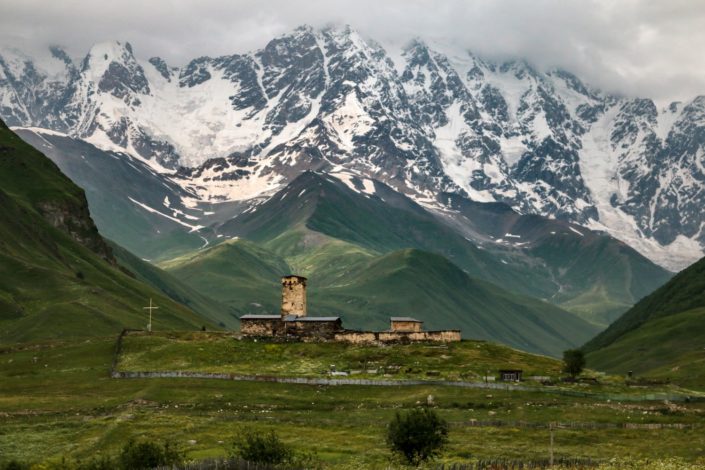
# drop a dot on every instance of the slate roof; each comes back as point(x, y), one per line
point(405, 319)
point(260, 317)
point(295, 318)
point(287, 318)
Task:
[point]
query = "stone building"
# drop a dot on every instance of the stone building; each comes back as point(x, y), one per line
point(293, 322)
point(406, 324)
point(510, 375)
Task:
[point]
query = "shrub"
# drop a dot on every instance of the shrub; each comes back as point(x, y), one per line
point(146, 455)
point(13, 465)
point(573, 362)
point(418, 435)
point(262, 448)
point(102, 463)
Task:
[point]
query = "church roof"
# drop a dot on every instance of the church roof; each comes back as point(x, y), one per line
point(324, 319)
point(260, 317)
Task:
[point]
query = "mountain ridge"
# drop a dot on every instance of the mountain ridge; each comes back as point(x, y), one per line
point(424, 119)
point(685, 291)
point(549, 260)
point(155, 218)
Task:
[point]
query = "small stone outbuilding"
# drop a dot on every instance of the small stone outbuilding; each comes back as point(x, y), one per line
point(510, 375)
point(405, 324)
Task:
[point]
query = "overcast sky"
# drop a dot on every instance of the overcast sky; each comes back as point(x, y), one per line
point(648, 48)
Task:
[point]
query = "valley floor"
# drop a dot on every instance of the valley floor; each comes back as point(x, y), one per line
point(57, 399)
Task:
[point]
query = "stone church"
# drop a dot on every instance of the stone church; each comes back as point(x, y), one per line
point(294, 323)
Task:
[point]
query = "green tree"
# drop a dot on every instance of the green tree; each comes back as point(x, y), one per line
point(417, 435)
point(573, 362)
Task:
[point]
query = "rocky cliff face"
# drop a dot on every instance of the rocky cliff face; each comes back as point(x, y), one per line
point(76, 221)
point(34, 183)
point(425, 118)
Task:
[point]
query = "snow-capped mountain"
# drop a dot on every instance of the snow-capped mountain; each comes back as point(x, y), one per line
point(425, 118)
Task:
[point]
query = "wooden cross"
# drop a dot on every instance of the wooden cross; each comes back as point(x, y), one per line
point(150, 308)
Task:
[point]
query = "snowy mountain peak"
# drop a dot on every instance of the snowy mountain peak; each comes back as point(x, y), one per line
point(112, 65)
point(424, 118)
point(102, 54)
point(161, 66)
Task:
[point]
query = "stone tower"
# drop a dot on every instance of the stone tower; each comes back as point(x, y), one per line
point(294, 296)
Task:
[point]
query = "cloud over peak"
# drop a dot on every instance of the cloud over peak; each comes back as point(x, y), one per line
point(634, 47)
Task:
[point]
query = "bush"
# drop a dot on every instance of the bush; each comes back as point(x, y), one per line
point(145, 455)
point(262, 448)
point(13, 465)
point(102, 463)
point(270, 450)
point(573, 362)
point(418, 435)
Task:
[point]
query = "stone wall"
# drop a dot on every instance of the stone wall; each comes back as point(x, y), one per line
point(314, 330)
point(304, 330)
point(261, 327)
point(356, 337)
point(370, 337)
point(310, 331)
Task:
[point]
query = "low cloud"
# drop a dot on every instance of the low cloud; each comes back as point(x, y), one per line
point(633, 47)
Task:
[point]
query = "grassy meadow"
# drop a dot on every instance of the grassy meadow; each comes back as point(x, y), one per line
point(56, 399)
point(227, 353)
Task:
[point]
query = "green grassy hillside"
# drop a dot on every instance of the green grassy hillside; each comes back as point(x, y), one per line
point(662, 335)
point(428, 287)
point(590, 274)
point(668, 348)
point(58, 277)
point(594, 275)
point(175, 289)
point(366, 288)
point(685, 291)
point(221, 353)
point(57, 401)
point(236, 273)
point(317, 203)
point(602, 277)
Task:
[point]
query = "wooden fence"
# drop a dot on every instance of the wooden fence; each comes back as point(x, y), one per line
point(515, 464)
point(223, 464)
point(483, 464)
point(569, 425)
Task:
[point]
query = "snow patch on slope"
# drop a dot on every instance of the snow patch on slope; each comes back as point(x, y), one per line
point(349, 121)
point(347, 177)
point(456, 166)
point(193, 228)
point(598, 165)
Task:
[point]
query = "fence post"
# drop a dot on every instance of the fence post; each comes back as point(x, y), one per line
point(550, 455)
